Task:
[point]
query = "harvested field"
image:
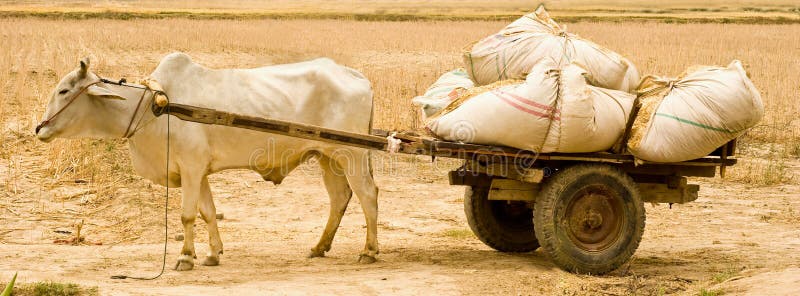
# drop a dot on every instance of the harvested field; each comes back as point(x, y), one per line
point(741, 227)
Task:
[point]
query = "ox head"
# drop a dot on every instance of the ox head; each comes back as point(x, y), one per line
point(80, 107)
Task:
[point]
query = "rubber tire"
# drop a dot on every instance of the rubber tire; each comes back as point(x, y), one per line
point(498, 231)
point(553, 235)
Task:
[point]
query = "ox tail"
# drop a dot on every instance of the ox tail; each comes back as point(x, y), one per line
point(371, 120)
point(369, 152)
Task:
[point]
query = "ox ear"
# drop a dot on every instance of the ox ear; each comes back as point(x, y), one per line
point(103, 93)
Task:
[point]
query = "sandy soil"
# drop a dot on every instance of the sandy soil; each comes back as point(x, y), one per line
point(734, 238)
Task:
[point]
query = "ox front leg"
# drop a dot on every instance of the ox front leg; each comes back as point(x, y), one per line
point(191, 188)
point(209, 213)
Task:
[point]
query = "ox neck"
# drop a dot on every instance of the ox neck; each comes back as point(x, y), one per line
point(127, 117)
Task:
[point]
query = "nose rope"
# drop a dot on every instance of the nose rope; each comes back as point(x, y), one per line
point(122, 82)
point(71, 99)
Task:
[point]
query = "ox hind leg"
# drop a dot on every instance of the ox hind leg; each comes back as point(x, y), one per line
point(339, 193)
point(358, 170)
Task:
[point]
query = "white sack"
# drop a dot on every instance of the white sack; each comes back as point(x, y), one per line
point(512, 52)
point(631, 80)
point(443, 91)
point(691, 116)
point(534, 116)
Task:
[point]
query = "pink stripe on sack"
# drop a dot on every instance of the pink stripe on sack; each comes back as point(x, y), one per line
point(526, 101)
point(526, 110)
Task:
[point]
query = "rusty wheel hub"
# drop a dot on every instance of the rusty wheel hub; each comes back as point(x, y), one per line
point(594, 218)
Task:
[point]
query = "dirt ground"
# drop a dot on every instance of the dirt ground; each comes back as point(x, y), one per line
point(734, 239)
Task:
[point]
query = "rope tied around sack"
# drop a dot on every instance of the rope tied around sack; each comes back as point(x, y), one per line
point(553, 108)
point(564, 52)
point(650, 95)
point(655, 84)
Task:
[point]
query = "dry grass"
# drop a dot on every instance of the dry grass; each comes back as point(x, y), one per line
point(53, 289)
point(400, 58)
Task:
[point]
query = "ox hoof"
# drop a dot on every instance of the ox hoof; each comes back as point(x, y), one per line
point(184, 263)
point(366, 259)
point(211, 261)
point(315, 254)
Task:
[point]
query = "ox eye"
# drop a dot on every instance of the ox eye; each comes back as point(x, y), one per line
point(63, 91)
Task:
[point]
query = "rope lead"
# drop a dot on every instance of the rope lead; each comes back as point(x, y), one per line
point(166, 212)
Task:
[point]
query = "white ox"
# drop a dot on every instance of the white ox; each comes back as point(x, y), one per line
point(318, 92)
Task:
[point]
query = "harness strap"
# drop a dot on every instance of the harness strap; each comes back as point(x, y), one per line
point(128, 132)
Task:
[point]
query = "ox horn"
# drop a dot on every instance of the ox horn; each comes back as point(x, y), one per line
point(85, 62)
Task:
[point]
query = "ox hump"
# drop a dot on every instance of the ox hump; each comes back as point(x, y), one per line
point(175, 61)
point(177, 58)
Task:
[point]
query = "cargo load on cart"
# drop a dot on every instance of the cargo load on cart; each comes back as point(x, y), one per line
point(553, 110)
point(533, 86)
point(446, 89)
point(512, 52)
point(690, 116)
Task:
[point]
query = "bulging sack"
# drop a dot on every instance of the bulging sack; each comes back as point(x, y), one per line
point(551, 111)
point(512, 52)
point(446, 89)
point(691, 116)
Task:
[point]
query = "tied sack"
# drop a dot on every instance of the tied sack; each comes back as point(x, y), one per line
point(691, 116)
point(511, 53)
point(551, 111)
point(446, 89)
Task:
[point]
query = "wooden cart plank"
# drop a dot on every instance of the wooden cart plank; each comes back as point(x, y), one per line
point(412, 143)
point(292, 129)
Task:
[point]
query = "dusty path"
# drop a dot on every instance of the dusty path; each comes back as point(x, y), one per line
point(733, 234)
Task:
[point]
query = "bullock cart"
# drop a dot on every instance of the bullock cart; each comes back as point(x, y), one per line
point(586, 210)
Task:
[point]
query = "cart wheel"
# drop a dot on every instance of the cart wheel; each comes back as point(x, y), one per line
point(589, 218)
point(506, 226)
